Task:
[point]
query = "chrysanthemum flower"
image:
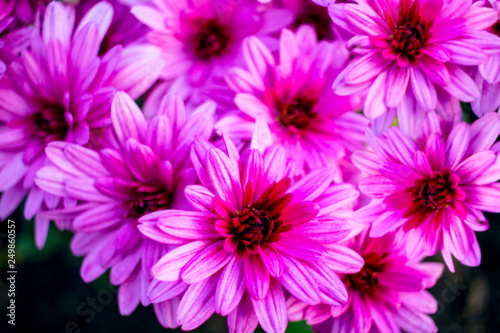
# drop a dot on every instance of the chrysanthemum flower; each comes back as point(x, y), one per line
point(146, 172)
point(252, 236)
point(387, 295)
point(434, 189)
point(61, 90)
point(295, 100)
point(415, 45)
point(202, 39)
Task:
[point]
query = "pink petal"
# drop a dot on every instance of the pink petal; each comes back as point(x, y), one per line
point(271, 311)
point(168, 268)
point(243, 318)
point(206, 263)
point(256, 277)
point(230, 287)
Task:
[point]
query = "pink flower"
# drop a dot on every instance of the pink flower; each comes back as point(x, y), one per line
point(293, 100)
point(417, 46)
point(434, 189)
point(253, 234)
point(202, 39)
point(146, 172)
point(61, 90)
point(387, 295)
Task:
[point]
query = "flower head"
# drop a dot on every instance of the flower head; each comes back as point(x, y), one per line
point(387, 295)
point(146, 172)
point(417, 46)
point(61, 90)
point(252, 235)
point(434, 189)
point(293, 100)
point(202, 39)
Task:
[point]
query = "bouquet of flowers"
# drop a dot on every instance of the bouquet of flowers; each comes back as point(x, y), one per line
point(268, 161)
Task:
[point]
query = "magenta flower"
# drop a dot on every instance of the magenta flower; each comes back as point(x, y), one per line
point(146, 172)
point(416, 46)
point(434, 189)
point(253, 234)
point(293, 100)
point(61, 90)
point(202, 39)
point(387, 295)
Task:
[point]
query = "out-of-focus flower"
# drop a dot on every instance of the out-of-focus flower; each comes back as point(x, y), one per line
point(201, 40)
point(434, 189)
point(61, 90)
point(293, 100)
point(387, 295)
point(252, 236)
point(146, 172)
point(417, 46)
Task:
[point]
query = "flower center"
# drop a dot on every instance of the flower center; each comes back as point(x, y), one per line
point(439, 191)
point(48, 124)
point(366, 279)
point(260, 222)
point(211, 41)
point(298, 113)
point(410, 33)
point(149, 199)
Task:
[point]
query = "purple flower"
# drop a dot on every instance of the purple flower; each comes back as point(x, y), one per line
point(417, 46)
point(146, 172)
point(202, 39)
point(434, 189)
point(61, 90)
point(387, 295)
point(254, 234)
point(291, 103)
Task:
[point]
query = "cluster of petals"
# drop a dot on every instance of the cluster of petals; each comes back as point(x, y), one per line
point(434, 189)
point(146, 169)
point(425, 47)
point(263, 160)
point(387, 295)
point(253, 235)
point(61, 90)
point(202, 39)
point(291, 103)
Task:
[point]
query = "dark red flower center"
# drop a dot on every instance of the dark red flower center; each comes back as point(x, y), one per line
point(48, 124)
point(439, 191)
point(148, 199)
point(298, 113)
point(366, 279)
point(410, 32)
point(211, 40)
point(259, 222)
